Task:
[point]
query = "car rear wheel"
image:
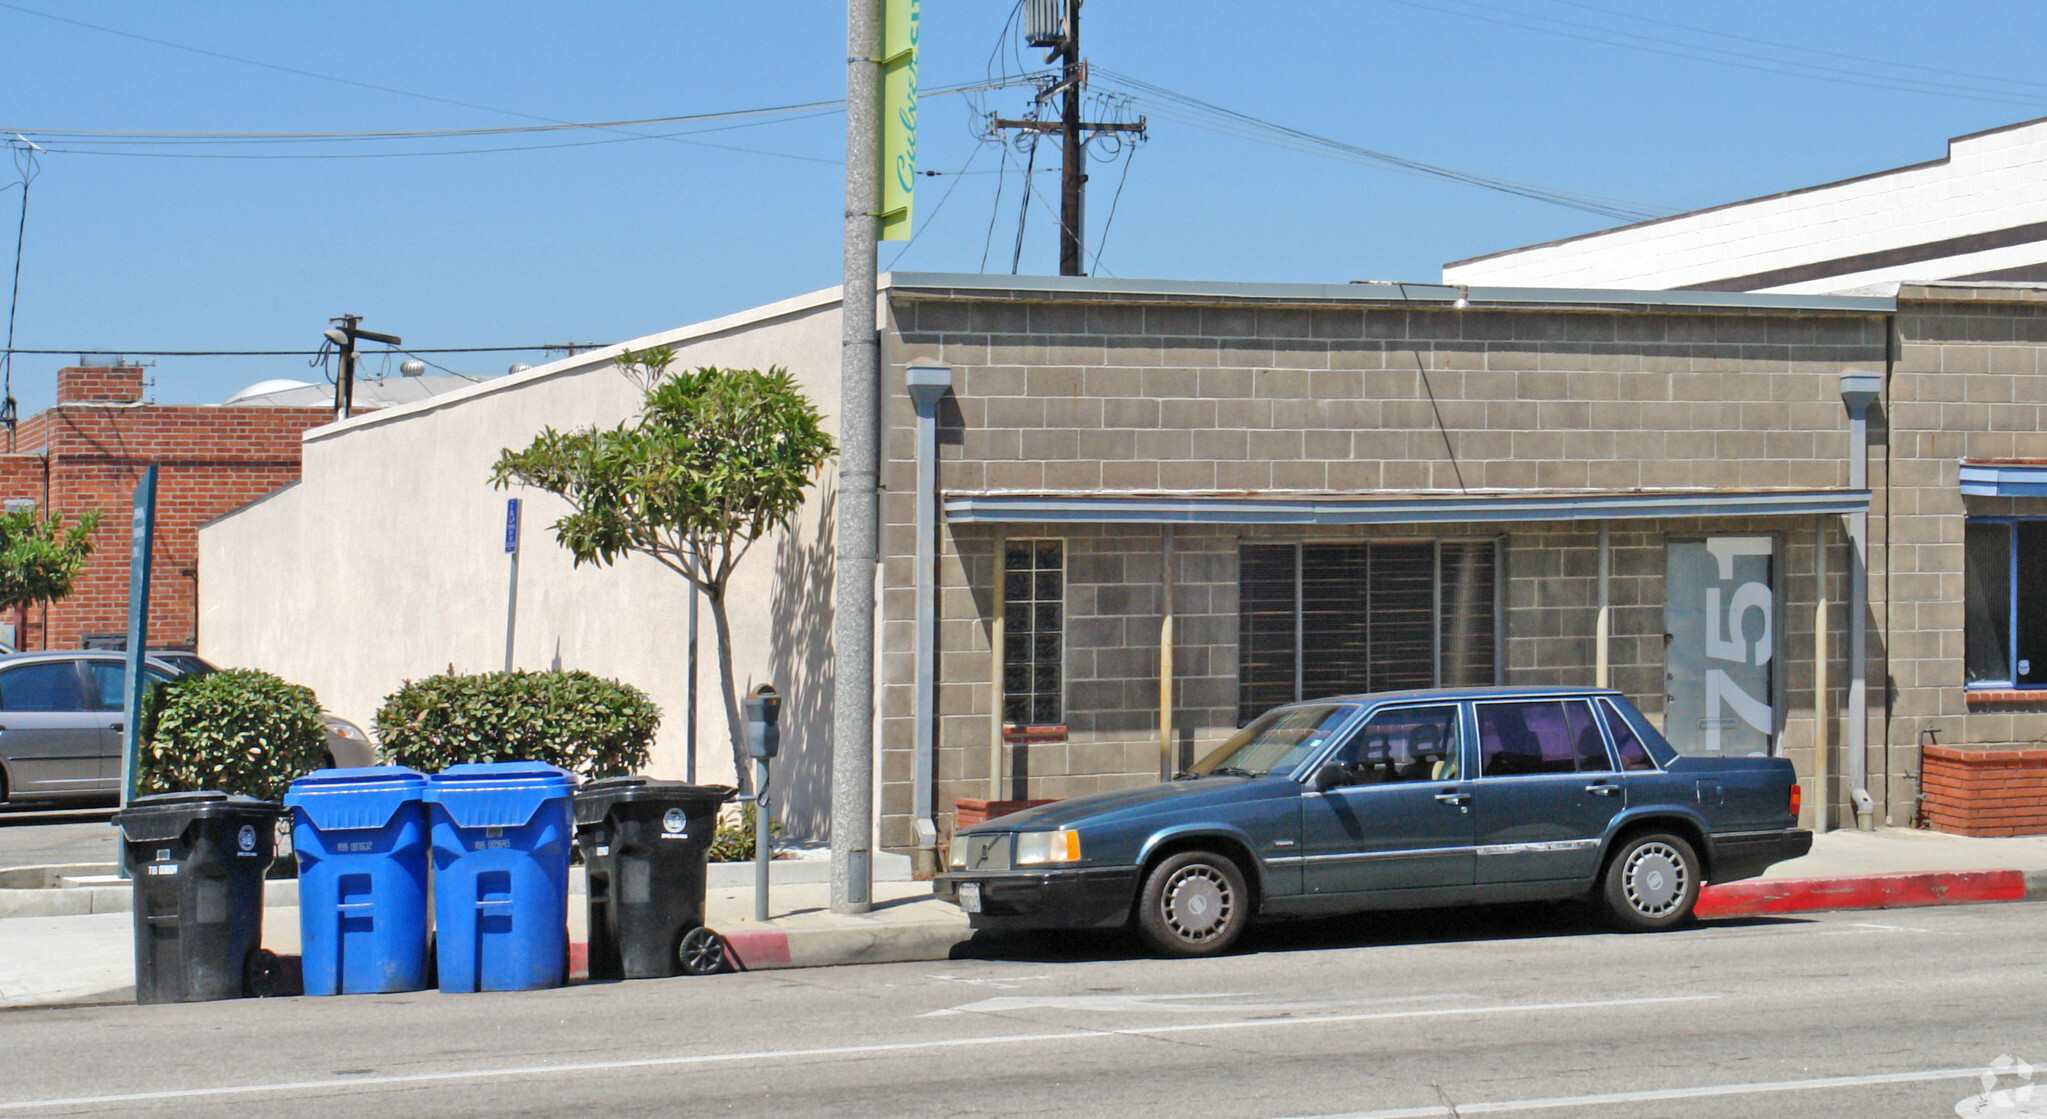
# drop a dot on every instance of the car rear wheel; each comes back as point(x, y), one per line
point(1194, 904)
point(1652, 883)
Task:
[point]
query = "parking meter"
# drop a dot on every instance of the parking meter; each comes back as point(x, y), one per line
point(763, 710)
point(763, 742)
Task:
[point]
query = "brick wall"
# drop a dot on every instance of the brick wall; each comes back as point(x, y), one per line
point(1986, 792)
point(79, 456)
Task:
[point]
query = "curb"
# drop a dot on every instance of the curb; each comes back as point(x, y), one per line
point(1764, 897)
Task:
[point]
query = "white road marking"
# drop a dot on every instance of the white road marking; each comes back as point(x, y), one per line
point(1169, 1004)
point(1704, 1091)
point(784, 1055)
point(1006, 983)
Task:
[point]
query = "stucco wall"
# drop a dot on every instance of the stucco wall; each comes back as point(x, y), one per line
point(387, 563)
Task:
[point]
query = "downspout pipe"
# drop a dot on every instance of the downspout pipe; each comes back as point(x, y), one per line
point(927, 382)
point(1858, 392)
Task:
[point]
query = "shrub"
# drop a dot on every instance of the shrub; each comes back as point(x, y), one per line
point(237, 730)
point(586, 724)
point(733, 842)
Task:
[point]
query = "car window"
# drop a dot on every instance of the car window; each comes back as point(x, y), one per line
point(1276, 741)
point(49, 686)
point(1404, 744)
point(1634, 756)
point(110, 678)
point(1540, 736)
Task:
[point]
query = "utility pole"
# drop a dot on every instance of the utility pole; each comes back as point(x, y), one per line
point(343, 337)
point(1063, 43)
point(859, 474)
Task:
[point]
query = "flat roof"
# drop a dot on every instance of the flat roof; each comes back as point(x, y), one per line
point(1384, 293)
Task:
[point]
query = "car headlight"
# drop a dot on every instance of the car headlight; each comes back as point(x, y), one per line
point(1047, 847)
point(956, 853)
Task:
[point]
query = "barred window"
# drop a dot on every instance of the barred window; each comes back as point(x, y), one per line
point(1333, 619)
point(1034, 632)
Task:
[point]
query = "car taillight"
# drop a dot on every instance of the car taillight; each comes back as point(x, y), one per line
point(1797, 798)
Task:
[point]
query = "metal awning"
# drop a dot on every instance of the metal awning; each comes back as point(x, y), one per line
point(2020, 478)
point(1331, 508)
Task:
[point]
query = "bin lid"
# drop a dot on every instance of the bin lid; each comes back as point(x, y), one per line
point(497, 794)
point(162, 816)
point(596, 799)
point(345, 799)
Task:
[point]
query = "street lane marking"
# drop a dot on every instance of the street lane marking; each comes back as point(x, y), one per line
point(1705, 1091)
point(1168, 1004)
point(1077, 1033)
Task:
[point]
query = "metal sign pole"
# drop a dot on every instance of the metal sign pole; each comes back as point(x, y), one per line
point(512, 591)
point(141, 536)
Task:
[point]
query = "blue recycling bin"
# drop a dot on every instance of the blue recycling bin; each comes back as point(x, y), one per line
point(361, 839)
point(502, 833)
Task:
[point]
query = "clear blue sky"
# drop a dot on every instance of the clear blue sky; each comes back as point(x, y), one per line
point(610, 241)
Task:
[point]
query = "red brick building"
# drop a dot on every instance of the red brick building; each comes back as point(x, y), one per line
point(90, 450)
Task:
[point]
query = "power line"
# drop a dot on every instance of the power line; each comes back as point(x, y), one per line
point(1698, 53)
point(126, 352)
point(1209, 116)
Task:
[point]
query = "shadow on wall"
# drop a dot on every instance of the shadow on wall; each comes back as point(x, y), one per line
point(800, 666)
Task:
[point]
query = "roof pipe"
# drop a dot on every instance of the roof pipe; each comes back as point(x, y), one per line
point(928, 382)
point(1858, 392)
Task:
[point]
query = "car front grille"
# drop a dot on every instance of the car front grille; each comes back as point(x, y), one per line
point(987, 852)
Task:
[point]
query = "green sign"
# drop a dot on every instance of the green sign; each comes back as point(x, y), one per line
point(898, 116)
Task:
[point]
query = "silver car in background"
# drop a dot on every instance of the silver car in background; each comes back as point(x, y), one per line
point(61, 722)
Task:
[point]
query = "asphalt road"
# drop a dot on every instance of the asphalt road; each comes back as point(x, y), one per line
point(39, 836)
point(1513, 1012)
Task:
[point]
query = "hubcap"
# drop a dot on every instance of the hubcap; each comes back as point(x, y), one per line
point(1655, 879)
point(1197, 902)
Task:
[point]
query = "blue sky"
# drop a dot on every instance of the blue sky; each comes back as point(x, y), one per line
point(609, 241)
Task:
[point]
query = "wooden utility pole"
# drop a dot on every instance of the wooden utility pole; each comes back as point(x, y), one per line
point(1069, 127)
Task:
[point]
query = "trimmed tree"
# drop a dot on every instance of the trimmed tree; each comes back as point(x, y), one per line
point(716, 459)
point(39, 557)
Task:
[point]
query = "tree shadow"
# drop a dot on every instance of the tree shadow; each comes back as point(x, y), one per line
point(801, 666)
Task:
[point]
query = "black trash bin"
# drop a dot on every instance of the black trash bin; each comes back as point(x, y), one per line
point(198, 861)
point(644, 844)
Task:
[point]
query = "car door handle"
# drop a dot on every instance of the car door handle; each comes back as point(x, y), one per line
point(1458, 799)
point(117, 726)
point(1603, 789)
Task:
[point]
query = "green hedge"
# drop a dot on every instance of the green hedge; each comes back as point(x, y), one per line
point(238, 730)
point(586, 724)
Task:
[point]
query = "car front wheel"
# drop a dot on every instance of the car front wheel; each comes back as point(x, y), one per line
point(1194, 904)
point(1652, 883)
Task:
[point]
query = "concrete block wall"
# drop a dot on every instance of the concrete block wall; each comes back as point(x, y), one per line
point(1090, 393)
point(1969, 382)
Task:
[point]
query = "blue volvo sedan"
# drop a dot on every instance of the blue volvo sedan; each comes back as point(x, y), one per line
point(1391, 801)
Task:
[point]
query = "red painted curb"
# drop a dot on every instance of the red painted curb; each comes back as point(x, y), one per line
point(754, 949)
point(579, 959)
point(1887, 891)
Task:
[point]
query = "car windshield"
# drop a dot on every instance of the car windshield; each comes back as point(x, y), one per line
point(1276, 741)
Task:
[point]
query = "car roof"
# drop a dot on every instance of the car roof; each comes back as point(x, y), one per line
point(1489, 691)
point(75, 654)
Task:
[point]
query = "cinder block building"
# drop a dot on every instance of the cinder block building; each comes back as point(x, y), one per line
point(89, 451)
point(1162, 506)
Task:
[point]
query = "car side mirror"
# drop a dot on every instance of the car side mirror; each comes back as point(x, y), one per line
point(1334, 775)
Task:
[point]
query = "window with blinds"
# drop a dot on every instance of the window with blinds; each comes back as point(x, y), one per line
point(1333, 619)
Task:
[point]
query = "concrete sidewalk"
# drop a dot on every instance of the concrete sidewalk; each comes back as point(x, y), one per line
point(85, 954)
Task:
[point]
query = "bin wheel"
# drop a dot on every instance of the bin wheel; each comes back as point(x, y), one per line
point(703, 952)
point(259, 973)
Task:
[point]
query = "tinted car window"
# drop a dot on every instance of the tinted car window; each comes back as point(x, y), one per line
point(1277, 741)
point(1634, 756)
point(110, 678)
point(1404, 744)
point(1539, 736)
point(50, 686)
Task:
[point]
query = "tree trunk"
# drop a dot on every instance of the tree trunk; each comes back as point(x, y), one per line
point(734, 724)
